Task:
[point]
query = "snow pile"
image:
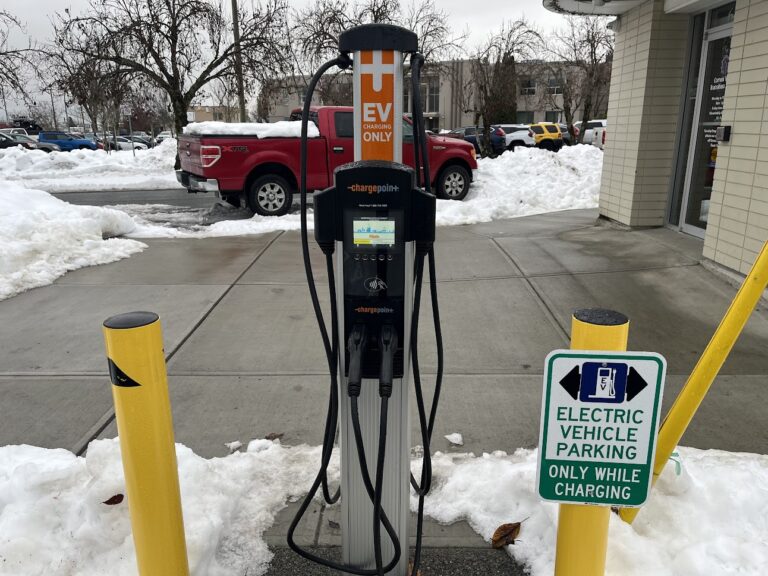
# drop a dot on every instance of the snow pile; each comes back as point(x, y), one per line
point(53, 519)
point(455, 439)
point(83, 170)
point(281, 129)
point(708, 519)
point(41, 238)
point(711, 518)
point(528, 181)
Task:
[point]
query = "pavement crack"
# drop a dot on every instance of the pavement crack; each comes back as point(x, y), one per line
point(548, 312)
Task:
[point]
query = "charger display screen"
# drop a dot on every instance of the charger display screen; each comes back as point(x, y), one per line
point(373, 232)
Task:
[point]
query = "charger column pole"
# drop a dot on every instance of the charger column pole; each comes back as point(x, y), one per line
point(582, 531)
point(378, 126)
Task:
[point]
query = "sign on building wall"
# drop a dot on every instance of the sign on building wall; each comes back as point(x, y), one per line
point(599, 422)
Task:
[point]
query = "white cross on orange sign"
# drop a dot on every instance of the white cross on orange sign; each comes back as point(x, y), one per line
point(378, 68)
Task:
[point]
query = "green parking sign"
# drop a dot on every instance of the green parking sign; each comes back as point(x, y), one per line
point(599, 422)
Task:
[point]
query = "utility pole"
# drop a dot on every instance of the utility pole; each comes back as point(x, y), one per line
point(5, 105)
point(238, 61)
point(53, 109)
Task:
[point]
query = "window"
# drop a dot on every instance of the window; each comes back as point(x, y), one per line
point(722, 15)
point(552, 129)
point(219, 116)
point(524, 117)
point(594, 124)
point(471, 131)
point(406, 93)
point(433, 94)
point(552, 116)
point(537, 129)
point(554, 87)
point(527, 87)
point(344, 123)
point(407, 131)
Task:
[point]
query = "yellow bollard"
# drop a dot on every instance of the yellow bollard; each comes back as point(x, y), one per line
point(143, 411)
point(582, 531)
point(704, 373)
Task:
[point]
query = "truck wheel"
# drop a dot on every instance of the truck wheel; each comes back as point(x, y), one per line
point(453, 183)
point(270, 195)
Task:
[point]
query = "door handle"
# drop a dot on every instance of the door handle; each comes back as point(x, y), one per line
point(338, 149)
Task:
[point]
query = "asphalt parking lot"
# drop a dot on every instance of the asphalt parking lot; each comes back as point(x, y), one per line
point(245, 359)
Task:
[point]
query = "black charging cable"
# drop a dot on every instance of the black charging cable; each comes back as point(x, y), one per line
point(421, 148)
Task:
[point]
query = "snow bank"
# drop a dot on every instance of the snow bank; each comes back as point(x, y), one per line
point(528, 181)
point(708, 519)
point(42, 237)
point(53, 519)
point(83, 170)
point(281, 129)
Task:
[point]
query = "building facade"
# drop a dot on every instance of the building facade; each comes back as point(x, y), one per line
point(203, 113)
point(447, 96)
point(687, 141)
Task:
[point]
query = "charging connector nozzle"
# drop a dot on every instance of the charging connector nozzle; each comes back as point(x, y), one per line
point(387, 349)
point(355, 347)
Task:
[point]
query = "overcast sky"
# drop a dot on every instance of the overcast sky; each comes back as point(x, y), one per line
point(480, 16)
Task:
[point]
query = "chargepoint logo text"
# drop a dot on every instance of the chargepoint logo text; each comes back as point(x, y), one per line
point(373, 188)
point(374, 310)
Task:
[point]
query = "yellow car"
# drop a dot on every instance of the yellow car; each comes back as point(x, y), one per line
point(547, 136)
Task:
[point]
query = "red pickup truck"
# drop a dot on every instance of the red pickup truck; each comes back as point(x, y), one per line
point(263, 173)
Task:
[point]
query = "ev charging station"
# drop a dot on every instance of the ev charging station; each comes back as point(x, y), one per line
point(375, 226)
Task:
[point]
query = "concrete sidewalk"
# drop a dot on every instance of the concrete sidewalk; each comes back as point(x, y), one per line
point(245, 359)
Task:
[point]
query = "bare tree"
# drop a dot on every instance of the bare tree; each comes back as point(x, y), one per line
point(494, 75)
point(581, 55)
point(180, 46)
point(316, 30)
point(13, 61)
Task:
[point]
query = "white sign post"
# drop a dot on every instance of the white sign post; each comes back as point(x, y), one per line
point(599, 422)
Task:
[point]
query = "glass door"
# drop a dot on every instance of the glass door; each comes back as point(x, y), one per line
point(702, 157)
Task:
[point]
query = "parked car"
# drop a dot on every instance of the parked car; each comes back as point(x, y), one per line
point(589, 135)
point(473, 134)
point(163, 135)
point(13, 131)
point(263, 173)
point(7, 141)
point(28, 124)
point(547, 136)
point(35, 144)
point(599, 137)
point(66, 141)
point(124, 143)
point(146, 141)
point(567, 139)
point(518, 135)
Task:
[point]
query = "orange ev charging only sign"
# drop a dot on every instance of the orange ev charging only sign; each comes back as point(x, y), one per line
point(377, 105)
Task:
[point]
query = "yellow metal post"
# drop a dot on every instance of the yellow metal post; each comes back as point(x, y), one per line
point(582, 531)
point(143, 411)
point(704, 373)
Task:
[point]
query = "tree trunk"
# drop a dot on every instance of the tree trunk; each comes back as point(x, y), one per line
point(179, 106)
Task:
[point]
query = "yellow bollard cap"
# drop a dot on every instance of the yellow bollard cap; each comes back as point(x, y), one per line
point(130, 320)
